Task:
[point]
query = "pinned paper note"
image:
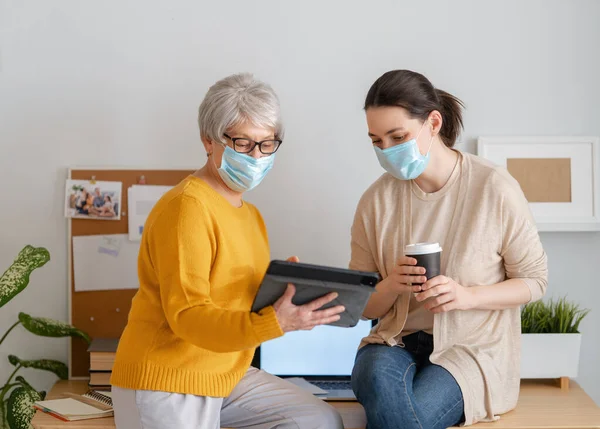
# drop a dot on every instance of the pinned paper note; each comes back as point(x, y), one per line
point(142, 199)
point(110, 245)
point(105, 262)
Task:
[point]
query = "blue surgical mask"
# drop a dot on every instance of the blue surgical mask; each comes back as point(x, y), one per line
point(404, 161)
point(242, 172)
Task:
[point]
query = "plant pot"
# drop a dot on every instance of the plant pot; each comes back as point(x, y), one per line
point(550, 355)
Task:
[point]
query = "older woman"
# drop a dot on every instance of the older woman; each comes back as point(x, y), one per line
point(184, 358)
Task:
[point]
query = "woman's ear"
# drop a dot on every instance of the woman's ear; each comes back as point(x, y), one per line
point(435, 122)
point(208, 145)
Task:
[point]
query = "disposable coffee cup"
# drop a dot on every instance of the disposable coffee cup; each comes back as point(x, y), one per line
point(428, 256)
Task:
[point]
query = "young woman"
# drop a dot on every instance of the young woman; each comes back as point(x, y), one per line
point(446, 352)
point(183, 361)
point(108, 208)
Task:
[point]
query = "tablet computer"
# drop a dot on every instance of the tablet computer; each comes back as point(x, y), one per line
point(313, 281)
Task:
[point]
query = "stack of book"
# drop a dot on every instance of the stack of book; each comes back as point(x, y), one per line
point(102, 357)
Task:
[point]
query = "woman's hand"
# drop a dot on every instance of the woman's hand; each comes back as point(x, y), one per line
point(293, 317)
point(304, 317)
point(404, 275)
point(399, 281)
point(444, 294)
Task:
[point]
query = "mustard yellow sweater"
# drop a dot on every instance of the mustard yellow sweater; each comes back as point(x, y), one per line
point(190, 329)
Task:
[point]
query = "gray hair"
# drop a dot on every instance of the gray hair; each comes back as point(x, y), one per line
point(236, 99)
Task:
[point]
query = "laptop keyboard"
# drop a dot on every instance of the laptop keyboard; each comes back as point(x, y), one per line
point(333, 385)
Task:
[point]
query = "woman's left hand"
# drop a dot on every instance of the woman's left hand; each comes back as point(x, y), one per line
point(444, 294)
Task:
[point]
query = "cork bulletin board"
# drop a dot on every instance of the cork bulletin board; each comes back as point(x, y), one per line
point(104, 313)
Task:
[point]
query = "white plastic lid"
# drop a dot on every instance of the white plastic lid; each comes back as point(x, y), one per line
point(422, 248)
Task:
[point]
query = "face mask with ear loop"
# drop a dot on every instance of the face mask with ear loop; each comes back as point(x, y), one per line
point(242, 172)
point(404, 161)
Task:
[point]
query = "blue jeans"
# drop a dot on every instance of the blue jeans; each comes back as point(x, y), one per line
point(401, 389)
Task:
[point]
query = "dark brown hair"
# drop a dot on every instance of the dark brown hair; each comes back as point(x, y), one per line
point(414, 92)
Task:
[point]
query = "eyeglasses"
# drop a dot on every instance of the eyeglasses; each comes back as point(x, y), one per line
point(242, 145)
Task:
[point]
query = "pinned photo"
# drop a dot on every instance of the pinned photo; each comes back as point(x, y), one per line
point(87, 199)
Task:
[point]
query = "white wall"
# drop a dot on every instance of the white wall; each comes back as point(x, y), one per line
point(118, 83)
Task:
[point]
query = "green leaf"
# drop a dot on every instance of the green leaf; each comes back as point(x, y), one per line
point(579, 318)
point(20, 409)
point(553, 317)
point(3, 421)
point(23, 382)
point(50, 328)
point(16, 278)
point(57, 367)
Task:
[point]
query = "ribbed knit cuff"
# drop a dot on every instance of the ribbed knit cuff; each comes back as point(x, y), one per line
point(147, 376)
point(265, 324)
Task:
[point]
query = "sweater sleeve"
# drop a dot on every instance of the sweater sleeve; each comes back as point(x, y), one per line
point(361, 257)
point(182, 247)
point(522, 251)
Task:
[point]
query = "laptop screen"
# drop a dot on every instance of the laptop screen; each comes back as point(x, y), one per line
point(324, 351)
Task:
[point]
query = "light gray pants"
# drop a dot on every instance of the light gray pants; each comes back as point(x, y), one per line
point(259, 401)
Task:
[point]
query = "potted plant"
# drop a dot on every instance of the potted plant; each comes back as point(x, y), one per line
point(17, 395)
point(551, 340)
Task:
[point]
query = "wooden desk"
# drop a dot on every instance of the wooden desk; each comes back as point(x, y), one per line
point(541, 405)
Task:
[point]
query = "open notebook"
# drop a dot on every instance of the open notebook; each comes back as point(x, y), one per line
point(91, 405)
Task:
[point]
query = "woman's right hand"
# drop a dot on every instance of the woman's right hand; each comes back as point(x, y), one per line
point(404, 275)
point(293, 317)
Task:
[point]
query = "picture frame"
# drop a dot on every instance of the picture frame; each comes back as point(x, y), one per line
point(560, 177)
point(93, 200)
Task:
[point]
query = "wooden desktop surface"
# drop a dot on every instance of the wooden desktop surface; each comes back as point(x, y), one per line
point(542, 404)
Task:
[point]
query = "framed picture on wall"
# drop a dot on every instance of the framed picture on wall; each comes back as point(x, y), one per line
point(560, 177)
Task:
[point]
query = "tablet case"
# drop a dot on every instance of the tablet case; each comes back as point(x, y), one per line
point(311, 281)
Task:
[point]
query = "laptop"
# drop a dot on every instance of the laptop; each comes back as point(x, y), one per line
point(319, 361)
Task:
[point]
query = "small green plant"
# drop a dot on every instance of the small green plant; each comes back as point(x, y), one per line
point(17, 395)
point(552, 317)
